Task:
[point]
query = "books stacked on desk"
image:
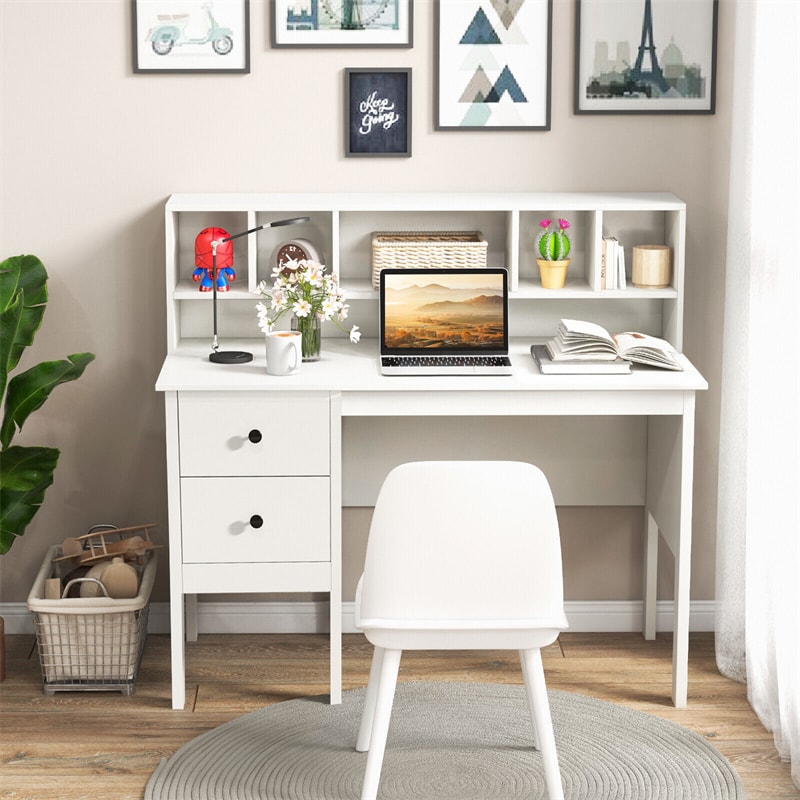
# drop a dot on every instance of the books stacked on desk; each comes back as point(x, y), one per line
point(587, 348)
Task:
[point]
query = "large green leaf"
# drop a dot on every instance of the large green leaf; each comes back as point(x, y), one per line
point(25, 474)
point(26, 276)
point(28, 390)
point(10, 318)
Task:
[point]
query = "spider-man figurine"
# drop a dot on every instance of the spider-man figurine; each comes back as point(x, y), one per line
point(204, 261)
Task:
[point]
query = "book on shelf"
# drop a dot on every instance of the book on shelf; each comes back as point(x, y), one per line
point(612, 264)
point(587, 366)
point(578, 340)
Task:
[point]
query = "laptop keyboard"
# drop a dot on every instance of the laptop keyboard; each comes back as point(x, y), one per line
point(446, 361)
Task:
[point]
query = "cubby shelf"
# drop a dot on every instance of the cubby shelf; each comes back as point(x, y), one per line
point(340, 226)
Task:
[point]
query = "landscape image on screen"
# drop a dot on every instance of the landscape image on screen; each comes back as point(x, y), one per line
point(444, 311)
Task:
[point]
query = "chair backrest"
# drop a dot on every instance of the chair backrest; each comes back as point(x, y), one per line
point(464, 540)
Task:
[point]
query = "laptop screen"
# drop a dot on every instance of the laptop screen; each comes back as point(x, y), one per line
point(453, 311)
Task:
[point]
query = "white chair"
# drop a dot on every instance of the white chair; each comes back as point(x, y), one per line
point(461, 555)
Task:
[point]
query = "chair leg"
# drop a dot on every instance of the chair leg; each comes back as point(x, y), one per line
point(380, 725)
point(368, 714)
point(540, 711)
point(526, 680)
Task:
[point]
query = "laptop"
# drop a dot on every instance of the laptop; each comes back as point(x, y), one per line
point(444, 322)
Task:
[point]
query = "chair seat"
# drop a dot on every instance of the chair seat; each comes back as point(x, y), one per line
point(456, 639)
point(463, 634)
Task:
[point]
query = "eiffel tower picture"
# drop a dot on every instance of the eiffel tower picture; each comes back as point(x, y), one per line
point(620, 69)
point(647, 47)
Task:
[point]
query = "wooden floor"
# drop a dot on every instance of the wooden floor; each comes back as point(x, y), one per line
point(105, 745)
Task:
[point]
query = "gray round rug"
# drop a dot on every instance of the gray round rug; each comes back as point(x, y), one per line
point(447, 741)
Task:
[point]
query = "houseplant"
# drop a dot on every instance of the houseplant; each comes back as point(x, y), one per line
point(25, 471)
point(552, 253)
point(303, 288)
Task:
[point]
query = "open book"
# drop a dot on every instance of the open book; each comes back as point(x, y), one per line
point(578, 340)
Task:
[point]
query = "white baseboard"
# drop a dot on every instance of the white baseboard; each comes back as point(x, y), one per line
point(311, 617)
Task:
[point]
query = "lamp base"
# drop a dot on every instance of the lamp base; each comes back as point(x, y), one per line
point(230, 357)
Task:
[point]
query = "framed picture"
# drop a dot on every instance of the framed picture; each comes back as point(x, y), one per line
point(191, 36)
point(493, 61)
point(342, 23)
point(645, 56)
point(377, 112)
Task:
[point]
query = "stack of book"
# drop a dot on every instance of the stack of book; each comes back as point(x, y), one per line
point(612, 264)
point(582, 347)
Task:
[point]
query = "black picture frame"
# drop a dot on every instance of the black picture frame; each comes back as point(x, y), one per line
point(388, 23)
point(508, 85)
point(161, 43)
point(678, 77)
point(377, 112)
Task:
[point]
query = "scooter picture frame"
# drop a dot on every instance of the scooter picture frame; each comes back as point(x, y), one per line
point(199, 36)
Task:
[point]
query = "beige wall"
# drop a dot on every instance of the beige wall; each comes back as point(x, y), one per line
point(90, 152)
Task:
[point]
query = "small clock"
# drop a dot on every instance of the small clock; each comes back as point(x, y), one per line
point(296, 249)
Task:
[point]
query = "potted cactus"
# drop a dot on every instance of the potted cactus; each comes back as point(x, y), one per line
point(552, 252)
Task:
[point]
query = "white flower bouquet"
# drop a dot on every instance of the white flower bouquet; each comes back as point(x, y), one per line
point(312, 296)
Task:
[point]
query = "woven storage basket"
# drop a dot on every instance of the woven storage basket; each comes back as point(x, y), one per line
point(426, 250)
point(90, 643)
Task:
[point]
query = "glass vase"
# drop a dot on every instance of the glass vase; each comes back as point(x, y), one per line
point(310, 328)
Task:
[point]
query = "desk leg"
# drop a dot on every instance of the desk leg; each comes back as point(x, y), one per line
point(178, 651)
point(650, 577)
point(670, 475)
point(190, 604)
point(176, 599)
point(682, 549)
point(336, 652)
point(336, 549)
point(680, 637)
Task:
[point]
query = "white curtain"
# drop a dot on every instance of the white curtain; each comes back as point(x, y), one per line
point(758, 530)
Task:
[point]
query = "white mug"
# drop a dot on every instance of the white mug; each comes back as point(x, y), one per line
point(283, 352)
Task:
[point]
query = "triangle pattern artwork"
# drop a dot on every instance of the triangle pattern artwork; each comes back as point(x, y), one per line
point(480, 91)
point(495, 69)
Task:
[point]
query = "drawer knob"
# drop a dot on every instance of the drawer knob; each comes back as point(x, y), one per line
point(254, 436)
point(256, 521)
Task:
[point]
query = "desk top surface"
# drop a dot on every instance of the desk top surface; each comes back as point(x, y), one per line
point(353, 368)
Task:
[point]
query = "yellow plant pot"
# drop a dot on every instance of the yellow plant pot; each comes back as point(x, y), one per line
point(553, 273)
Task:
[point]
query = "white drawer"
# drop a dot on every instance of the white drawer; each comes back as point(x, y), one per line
point(221, 519)
point(234, 433)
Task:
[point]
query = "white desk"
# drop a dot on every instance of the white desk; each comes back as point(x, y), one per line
point(348, 382)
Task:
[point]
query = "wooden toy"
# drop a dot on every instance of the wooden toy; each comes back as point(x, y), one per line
point(105, 542)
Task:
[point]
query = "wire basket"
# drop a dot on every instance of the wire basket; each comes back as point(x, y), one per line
point(90, 643)
point(427, 250)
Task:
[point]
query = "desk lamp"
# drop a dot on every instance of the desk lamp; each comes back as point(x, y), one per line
point(236, 356)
